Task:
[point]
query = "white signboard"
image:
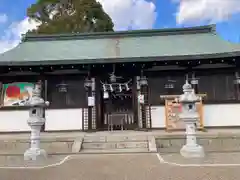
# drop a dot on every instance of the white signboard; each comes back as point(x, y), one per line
point(91, 101)
point(141, 99)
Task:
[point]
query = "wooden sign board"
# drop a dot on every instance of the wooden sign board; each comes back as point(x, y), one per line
point(172, 111)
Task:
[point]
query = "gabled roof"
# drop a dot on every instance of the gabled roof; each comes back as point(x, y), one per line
point(139, 45)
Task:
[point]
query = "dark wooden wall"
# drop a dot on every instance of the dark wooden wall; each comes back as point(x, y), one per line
point(75, 97)
point(217, 84)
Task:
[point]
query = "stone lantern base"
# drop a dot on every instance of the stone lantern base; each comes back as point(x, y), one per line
point(192, 151)
point(35, 154)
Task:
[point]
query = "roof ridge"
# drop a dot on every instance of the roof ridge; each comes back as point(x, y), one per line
point(132, 33)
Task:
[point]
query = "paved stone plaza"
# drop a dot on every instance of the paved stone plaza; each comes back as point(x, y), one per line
point(209, 159)
point(215, 166)
point(120, 167)
point(18, 161)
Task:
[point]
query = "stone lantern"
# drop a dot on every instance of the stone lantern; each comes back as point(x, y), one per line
point(190, 116)
point(36, 120)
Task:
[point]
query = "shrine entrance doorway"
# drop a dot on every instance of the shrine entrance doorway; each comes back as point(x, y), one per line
point(118, 103)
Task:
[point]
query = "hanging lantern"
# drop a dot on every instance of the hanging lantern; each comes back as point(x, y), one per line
point(143, 81)
point(62, 87)
point(88, 83)
point(194, 81)
point(169, 86)
point(237, 80)
point(138, 83)
point(113, 78)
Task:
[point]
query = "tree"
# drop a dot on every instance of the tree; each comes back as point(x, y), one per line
point(69, 16)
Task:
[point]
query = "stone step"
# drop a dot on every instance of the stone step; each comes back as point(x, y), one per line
point(114, 145)
point(115, 138)
point(109, 151)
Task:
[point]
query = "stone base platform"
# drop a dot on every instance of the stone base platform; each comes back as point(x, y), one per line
point(65, 143)
point(19, 162)
point(216, 140)
point(195, 151)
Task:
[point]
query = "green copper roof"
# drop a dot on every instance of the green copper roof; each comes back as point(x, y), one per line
point(169, 44)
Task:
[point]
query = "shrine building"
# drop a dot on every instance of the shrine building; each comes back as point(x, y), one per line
point(129, 79)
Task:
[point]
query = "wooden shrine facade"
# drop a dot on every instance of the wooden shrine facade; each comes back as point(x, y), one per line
point(118, 75)
point(69, 91)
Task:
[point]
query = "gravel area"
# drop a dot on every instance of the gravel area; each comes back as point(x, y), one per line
point(211, 158)
point(120, 167)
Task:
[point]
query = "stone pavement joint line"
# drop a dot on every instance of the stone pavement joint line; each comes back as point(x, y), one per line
point(159, 157)
point(57, 164)
point(120, 167)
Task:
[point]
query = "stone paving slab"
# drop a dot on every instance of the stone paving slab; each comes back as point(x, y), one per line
point(19, 148)
point(18, 161)
point(120, 167)
point(211, 158)
point(219, 144)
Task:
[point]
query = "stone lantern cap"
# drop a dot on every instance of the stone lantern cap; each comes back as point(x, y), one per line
point(188, 95)
point(37, 100)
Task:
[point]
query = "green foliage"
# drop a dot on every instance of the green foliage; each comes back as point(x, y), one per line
point(69, 16)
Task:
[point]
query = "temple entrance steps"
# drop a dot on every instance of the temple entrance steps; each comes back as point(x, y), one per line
point(65, 143)
point(118, 143)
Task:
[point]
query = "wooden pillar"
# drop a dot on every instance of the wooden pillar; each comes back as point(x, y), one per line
point(1, 94)
point(93, 116)
point(98, 104)
point(143, 108)
point(138, 93)
point(89, 94)
point(237, 86)
point(135, 93)
point(144, 104)
point(91, 109)
point(43, 82)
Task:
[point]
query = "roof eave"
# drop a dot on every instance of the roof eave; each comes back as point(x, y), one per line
point(122, 60)
point(119, 34)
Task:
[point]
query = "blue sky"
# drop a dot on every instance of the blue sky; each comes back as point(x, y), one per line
point(15, 11)
point(140, 14)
